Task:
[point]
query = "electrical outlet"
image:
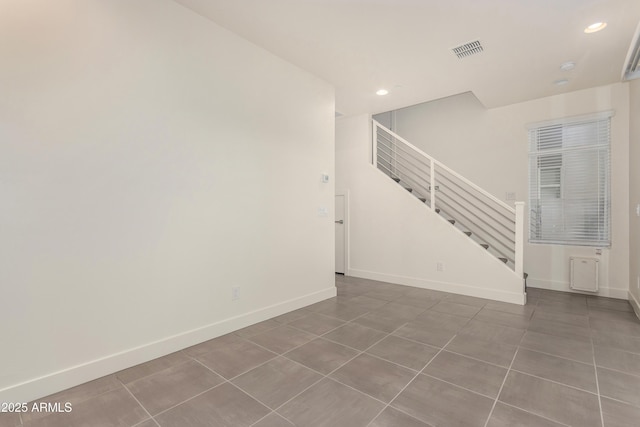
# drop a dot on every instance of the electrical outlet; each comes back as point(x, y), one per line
point(439, 266)
point(235, 293)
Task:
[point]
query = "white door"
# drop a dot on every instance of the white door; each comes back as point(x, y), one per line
point(340, 234)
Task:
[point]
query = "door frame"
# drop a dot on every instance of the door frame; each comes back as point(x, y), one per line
point(345, 193)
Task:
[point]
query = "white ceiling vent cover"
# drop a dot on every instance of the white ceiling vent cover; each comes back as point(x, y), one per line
point(631, 68)
point(467, 49)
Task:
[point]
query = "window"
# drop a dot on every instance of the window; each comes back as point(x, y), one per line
point(569, 168)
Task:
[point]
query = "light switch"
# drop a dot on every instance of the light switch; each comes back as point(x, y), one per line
point(325, 177)
point(323, 211)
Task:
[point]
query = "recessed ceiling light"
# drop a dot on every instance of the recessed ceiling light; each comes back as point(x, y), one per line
point(595, 27)
point(567, 66)
point(382, 92)
point(561, 82)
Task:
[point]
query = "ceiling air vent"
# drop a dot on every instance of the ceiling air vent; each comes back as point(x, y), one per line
point(467, 49)
point(631, 68)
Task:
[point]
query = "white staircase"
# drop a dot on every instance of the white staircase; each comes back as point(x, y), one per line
point(486, 220)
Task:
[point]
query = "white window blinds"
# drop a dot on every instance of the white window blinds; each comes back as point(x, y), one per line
point(569, 194)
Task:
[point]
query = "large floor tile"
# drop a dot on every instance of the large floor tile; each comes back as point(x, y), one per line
point(609, 304)
point(520, 321)
point(618, 360)
point(564, 330)
point(385, 295)
point(167, 388)
point(508, 416)
point(435, 336)
point(488, 351)
point(619, 414)
point(468, 300)
point(620, 386)
point(152, 367)
point(276, 381)
point(366, 302)
point(375, 377)
point(617, 341)
point(317, 324)
point(613, 315)
point(331, 404)
point(391, 417)
point(579, 320)
point(421, 302)
point(441, 404)
point(10, 419)
point(234, 359)
point(551, 400)
point(213, 345)
point(572, 307)
point(449, 307)
point(282, 339)
point(75, 395)
point(400, 311)
point(273, 420)
point(341, 310)
point(356, 336)
point(555, 368)
point(292, 315)
point(223, 406)
point(384, 323)
point(492, 332)
point(322, 355)
point(115, 408)
point(469, 373)
point(619, 326)
point(436, 319)
point(407, 353)
point(257, 328)
point(505, 307)
point(576, 349)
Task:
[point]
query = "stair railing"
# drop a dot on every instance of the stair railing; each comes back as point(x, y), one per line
point(471, 208)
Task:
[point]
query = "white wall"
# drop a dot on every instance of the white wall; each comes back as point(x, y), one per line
point(150, 160)
point(395, 238)
point(489, 146)
point(634, 193)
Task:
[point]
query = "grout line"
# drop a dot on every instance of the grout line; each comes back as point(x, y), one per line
point(554, 381)
point(139, 403)
point(191, 398)
point(504, 380)
point(534, 414)
point(412, 380)
point(459, 386)
point(595, 369)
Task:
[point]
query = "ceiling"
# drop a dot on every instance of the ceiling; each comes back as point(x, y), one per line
point(360, 46)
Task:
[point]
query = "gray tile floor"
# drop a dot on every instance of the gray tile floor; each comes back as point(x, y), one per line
point(383, 355)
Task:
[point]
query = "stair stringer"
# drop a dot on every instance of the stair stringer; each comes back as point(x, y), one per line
point(406, 240)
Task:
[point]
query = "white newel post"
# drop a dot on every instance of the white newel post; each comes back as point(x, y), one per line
point(519, 261)
point(432, 185)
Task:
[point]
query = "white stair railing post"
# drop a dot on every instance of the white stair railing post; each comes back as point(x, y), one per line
point(374, 144)
point(432, 185)
point(519, 238)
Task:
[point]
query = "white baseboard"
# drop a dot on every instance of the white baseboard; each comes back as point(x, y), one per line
point(555, 285)
point(70, 377)
point(456, 288)
point(635, 304)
